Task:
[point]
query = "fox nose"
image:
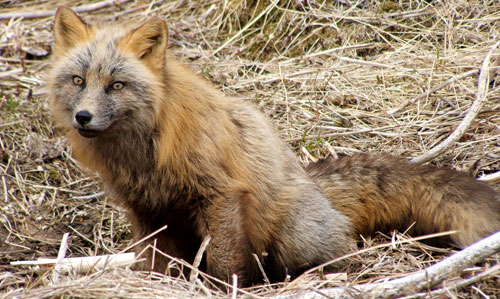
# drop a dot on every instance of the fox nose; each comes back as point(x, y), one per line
point(83, 117)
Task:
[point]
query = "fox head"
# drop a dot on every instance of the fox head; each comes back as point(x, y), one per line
point(106, 75)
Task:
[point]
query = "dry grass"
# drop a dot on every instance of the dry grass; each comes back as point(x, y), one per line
point(326, 72)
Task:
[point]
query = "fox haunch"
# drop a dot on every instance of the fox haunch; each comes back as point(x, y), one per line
point(172, 150)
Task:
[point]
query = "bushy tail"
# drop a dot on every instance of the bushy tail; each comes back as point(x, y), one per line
point(383, 193)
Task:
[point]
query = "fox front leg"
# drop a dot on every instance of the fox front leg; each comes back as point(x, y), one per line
point(230, 250)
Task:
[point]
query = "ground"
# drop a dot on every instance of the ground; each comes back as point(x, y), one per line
point(335, 77)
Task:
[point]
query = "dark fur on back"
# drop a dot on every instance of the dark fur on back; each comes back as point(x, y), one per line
point(383, 193)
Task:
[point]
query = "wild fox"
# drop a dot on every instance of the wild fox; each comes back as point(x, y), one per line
point(174, 151)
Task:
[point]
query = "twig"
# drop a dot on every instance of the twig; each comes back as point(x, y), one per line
point(48, 13)
point(417, 281)
point(461, 283)
point(90, 196)
point(492, 177)
point(83, 264)
point(433, 90)
point(197, 259)
point(60, 256)
point(235, 286)
point(145, 238)
point(5, 190)
point(11, 73)
point(81, 235)
point(153, 255)
point(482, 91)
point(261, 269)
point(308, 155)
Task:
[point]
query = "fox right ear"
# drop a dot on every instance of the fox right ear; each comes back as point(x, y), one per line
point(69, 29)
point(149, 41)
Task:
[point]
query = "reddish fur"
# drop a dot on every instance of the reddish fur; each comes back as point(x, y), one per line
point(173, 150)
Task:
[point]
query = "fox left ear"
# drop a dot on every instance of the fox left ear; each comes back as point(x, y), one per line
point(69, 29)
point(149, 41)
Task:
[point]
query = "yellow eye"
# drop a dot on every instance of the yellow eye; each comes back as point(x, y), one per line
point(117, 85)
point(77, 80)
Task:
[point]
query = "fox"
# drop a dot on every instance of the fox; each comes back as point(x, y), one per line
point(171, 149)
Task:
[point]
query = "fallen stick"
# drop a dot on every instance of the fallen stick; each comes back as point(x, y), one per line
point(10, 73)
point(492, 177)
point(460, 284)
point(60, 256)
point(91, 196)
point(482, 91)
point(83, 264)
point(197, 259)
point(49, 13)
point(418, 281)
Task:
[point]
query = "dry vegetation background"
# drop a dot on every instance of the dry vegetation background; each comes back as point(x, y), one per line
point(326, 72)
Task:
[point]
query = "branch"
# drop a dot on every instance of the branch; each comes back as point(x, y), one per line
point(60, 256)
point(48, 13)
point(83, 264)
point(460, 284)
point(482, 91)
point(492, 177)
point(197, 259)
point(10, 73)
point(413, 283)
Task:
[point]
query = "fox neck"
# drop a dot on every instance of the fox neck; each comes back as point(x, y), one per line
point(114, 158)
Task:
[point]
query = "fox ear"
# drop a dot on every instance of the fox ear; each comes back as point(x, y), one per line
point(69, 29)
point(149, 41)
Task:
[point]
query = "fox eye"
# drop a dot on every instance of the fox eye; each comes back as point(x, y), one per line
point(77, 80)
point(117, 85)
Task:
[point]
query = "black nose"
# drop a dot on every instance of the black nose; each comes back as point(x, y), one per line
point(83, 117)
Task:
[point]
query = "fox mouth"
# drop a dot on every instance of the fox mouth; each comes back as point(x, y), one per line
point(87, 133)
